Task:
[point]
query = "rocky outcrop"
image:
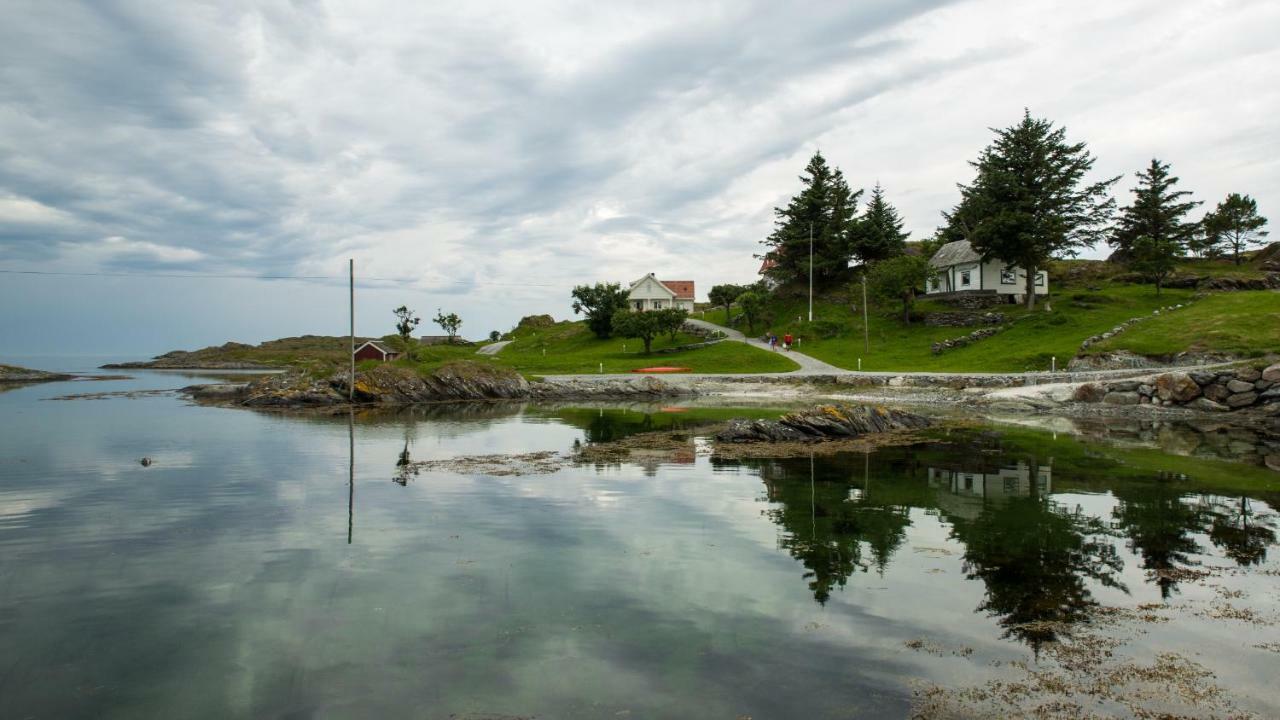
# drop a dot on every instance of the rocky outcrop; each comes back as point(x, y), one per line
point(395, 385)
point(15, 374)
point(1217, 391)
point(825, 422)
point(1270, 281)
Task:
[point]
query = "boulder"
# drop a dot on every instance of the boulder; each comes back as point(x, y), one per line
point(1202, 378)
point(1123, 385)
point(1272, 373)
point(1177, 386)
point(1240, 400)
point(1122, 398)
point(1089, 393)
point(1216, 392)
point(1204, 403)
point(825, 422)
point(1240, 386)
point(1248, 374)
point(1270, 395)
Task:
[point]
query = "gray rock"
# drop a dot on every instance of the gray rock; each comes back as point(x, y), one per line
point(1272, 373)
point(1270, 395)
point(1240, 386)
point(1204, 403)
point(1146, 390)
point(1122, 398)
point(825, 422)
point(1240, 400)
point(1248, 374)
point(1202, 378)
point(1216, 392)
point(1123, 385)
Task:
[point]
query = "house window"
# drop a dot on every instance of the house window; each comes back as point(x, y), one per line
point(933, 284)
point(1010, 486)
point(1008, 276)
point(964, 278)
point(657, 304)
point(1040, 279)
point(639, 304)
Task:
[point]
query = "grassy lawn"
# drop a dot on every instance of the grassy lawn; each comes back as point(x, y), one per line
point(1028, 345)
point(570, 348)
point(1242, 323)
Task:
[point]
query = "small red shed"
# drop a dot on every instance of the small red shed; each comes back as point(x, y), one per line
point(374, 350)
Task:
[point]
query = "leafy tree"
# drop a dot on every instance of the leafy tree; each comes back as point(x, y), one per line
point(825, 206)
point(638, 324)
point(1028, 202)
point(406, 321)
point(494, 336)
point(1236, 224)
point(752, 304)
point(598, 303)
point(724, 295)
point(897, 279)
point(878, 233)
point(449, 323)
point(671, 320)
point(1155, 258)
point(1151, 234)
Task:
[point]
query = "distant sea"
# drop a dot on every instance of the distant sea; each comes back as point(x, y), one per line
point(67, 363)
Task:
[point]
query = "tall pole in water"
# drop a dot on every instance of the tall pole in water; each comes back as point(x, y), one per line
point(351, 307)
point(810, 272)
point(351, 472)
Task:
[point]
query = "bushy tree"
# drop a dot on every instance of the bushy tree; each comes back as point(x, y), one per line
point(878, 234)
point(1234, 224)
point(825, 206)
point(1152, 234)
point(724, 295)
point(671, 320)
point(897, 279)
point(598, 303)
point(1155, 258)
point(637, 324)
point(752, 304)
point(449, 323)
point(494, 336)
point(406, 321)
point(1029, 201)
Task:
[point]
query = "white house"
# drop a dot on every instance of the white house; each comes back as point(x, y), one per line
point(958, 267)
point(650, 293)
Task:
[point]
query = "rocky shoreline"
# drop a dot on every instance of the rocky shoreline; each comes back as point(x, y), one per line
point(15, 374)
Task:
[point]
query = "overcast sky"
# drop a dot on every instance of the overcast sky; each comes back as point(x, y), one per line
point(484, 157)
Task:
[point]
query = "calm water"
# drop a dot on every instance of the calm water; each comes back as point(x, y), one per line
point(244, 575)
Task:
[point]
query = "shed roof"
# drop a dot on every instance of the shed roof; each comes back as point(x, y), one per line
point(381, 346)
point(954, 253)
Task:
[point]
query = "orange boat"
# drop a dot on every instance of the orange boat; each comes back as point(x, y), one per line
point(662, 369)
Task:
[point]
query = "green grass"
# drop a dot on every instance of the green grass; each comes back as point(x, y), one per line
point(1028, 345)
point(570, 348)
point(1240, 323)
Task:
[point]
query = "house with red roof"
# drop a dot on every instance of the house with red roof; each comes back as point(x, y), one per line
point(650, 293)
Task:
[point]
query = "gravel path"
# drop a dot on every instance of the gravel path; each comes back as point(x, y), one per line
point(493, 348)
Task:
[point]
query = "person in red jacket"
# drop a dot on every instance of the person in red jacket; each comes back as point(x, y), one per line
point(786, 341)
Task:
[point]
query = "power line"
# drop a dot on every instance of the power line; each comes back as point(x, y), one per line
point(213, 276)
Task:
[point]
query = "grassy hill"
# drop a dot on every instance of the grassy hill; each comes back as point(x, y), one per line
point(570, 348)
point(1089, 298)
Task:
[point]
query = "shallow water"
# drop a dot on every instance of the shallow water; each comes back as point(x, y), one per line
point(273, 565)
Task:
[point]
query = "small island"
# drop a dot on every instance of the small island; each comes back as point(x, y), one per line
point(20, 375)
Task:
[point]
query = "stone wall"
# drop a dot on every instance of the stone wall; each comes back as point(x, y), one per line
point(1216, 391)
point(940, 347)
point(962, 319)
point(974, 301)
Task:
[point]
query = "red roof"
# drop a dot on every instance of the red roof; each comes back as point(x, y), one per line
point(682, 288)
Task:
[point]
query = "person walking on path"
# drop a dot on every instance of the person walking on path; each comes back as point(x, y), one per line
point(786, 341)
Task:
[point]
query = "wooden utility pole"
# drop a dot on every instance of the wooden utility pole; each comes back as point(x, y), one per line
point(351, 307)
point(866, 331)
point(810, 272)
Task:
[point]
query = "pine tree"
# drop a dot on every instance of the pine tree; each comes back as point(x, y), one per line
point(1236, 224)
point(825, 206)
point(878, 234)
point(1151, 233)
point(1028, 202)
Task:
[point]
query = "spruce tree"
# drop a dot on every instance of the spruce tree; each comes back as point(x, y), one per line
point(825, 206)
point(1029, 201)
point(878, 234)
point(1151, 232)
point(1236, 224)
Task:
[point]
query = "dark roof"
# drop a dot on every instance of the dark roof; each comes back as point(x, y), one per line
point(954, 253)
point(381, 346)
